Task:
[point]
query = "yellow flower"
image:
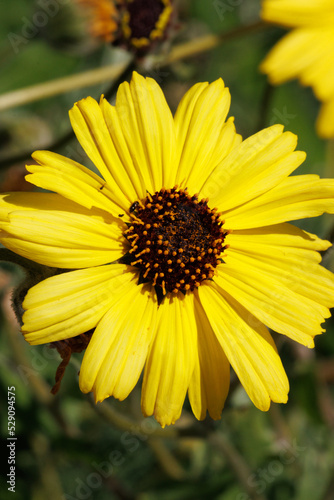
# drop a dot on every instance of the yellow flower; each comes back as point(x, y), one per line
point(134, 24)
point(306, 53)
point(180, 251)
point(103, 18)
point(144, 22)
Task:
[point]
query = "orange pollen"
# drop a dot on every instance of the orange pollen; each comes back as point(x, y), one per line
point(172, 218)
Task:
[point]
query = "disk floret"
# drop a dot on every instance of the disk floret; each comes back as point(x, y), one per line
point(176, 240)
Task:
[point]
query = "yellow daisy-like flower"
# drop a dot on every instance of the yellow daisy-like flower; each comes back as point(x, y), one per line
point(103, 18)
point(145, 21)
point(307, 52)
point(134, 24)
point(180, 251)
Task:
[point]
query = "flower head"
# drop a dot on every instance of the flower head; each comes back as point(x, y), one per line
point(145, 22)
point(178, 254)
point(306, 53)
point(104, 18)
point(134, 24)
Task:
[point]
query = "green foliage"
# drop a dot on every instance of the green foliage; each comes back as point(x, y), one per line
point(67, 448)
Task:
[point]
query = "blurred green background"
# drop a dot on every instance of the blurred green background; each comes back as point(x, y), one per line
point(66, 447)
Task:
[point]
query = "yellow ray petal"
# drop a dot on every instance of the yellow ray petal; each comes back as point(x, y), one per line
point(171, 360)
point(252, 168)
point(118, 349)
point(199, 122)
point(72, 303)
point(248, 347)
point(210, 381)
point(93, 134)
point(284, 235)
point(292, 54)
point(63, 239)
point(73, 181)
point(291, 258)
point(10, 202)
point(294, 198)
point(269, 299)
point(325, 122)
point(298, 12)
point(227, 141)
point(148, 129)
point(320, 73)
point(139, 178)
point(185, 111)
point(306, 54)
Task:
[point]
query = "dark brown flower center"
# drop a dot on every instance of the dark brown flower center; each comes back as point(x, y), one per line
point(144, 21)
point(143, 16)
point(176, 240)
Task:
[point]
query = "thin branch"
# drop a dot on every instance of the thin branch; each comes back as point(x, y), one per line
point(38, 386)
point(329, 491)
point(264, 106)
point(237, 464)
point(61, 85)
point(167, 460)
point(87, 78)
point(124, 423)
point(49, 480)
point(62, 141)
point(280, 425)
point(99, 75)
point(207, 42)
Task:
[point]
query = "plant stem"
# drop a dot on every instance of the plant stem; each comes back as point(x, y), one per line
point(61, 85)
point(167, 460)
point(124, 423)
point(98, 75)
point(208, 42)
point(237, 464)
point(49, 481)
point(65, 138)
